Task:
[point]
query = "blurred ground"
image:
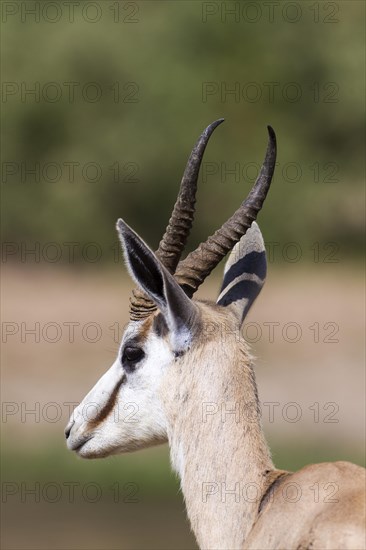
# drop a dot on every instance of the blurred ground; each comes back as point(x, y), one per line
point(306, 330)
point(311, 389)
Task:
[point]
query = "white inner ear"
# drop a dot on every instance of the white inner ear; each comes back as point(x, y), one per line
point(180, 340)
point(153, 278)
point(252, 241)
point(244, 273)
point(178, 311)
point(244, 277)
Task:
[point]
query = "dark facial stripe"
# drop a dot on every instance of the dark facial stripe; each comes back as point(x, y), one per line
point(253, 263)
point(109, 406)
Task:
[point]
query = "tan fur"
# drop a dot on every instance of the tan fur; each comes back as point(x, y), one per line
point(230, 453)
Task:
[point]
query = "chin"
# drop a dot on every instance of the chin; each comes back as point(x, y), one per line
point(91, 449)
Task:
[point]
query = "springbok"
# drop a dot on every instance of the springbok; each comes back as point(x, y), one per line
point(180, 359)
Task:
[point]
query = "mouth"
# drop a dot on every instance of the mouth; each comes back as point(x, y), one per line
point(78, 445)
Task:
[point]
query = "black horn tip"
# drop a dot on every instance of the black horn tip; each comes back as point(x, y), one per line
point(207, 132)
point(211, 127)
point(271, 133)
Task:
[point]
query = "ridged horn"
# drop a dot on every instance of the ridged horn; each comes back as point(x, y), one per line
point(192, 271)
point(176, 234)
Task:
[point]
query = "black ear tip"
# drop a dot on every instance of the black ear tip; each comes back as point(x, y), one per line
point(125, 232)
point(122, 227)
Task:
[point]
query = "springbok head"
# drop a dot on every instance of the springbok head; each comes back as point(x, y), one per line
point(167, 335)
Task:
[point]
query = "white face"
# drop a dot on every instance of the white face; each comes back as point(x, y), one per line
point(123, 411)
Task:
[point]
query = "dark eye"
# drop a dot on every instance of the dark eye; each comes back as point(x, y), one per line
point(132, 355)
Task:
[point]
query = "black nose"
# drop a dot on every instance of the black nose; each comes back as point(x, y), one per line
point(68, 430)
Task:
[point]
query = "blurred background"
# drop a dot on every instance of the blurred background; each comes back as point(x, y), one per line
point(101, 105)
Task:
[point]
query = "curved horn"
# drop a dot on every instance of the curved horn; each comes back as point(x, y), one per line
point(192, 271)
point(176, 234)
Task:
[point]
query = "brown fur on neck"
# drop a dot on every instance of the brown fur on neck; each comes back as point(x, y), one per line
point(222, 449)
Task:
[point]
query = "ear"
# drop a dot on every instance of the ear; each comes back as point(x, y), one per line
point(155, 280)
point(245, 273)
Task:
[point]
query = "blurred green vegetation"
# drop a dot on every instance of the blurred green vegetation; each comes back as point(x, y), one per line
point(153, 74)
point(131, 501)
point(150, 469)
